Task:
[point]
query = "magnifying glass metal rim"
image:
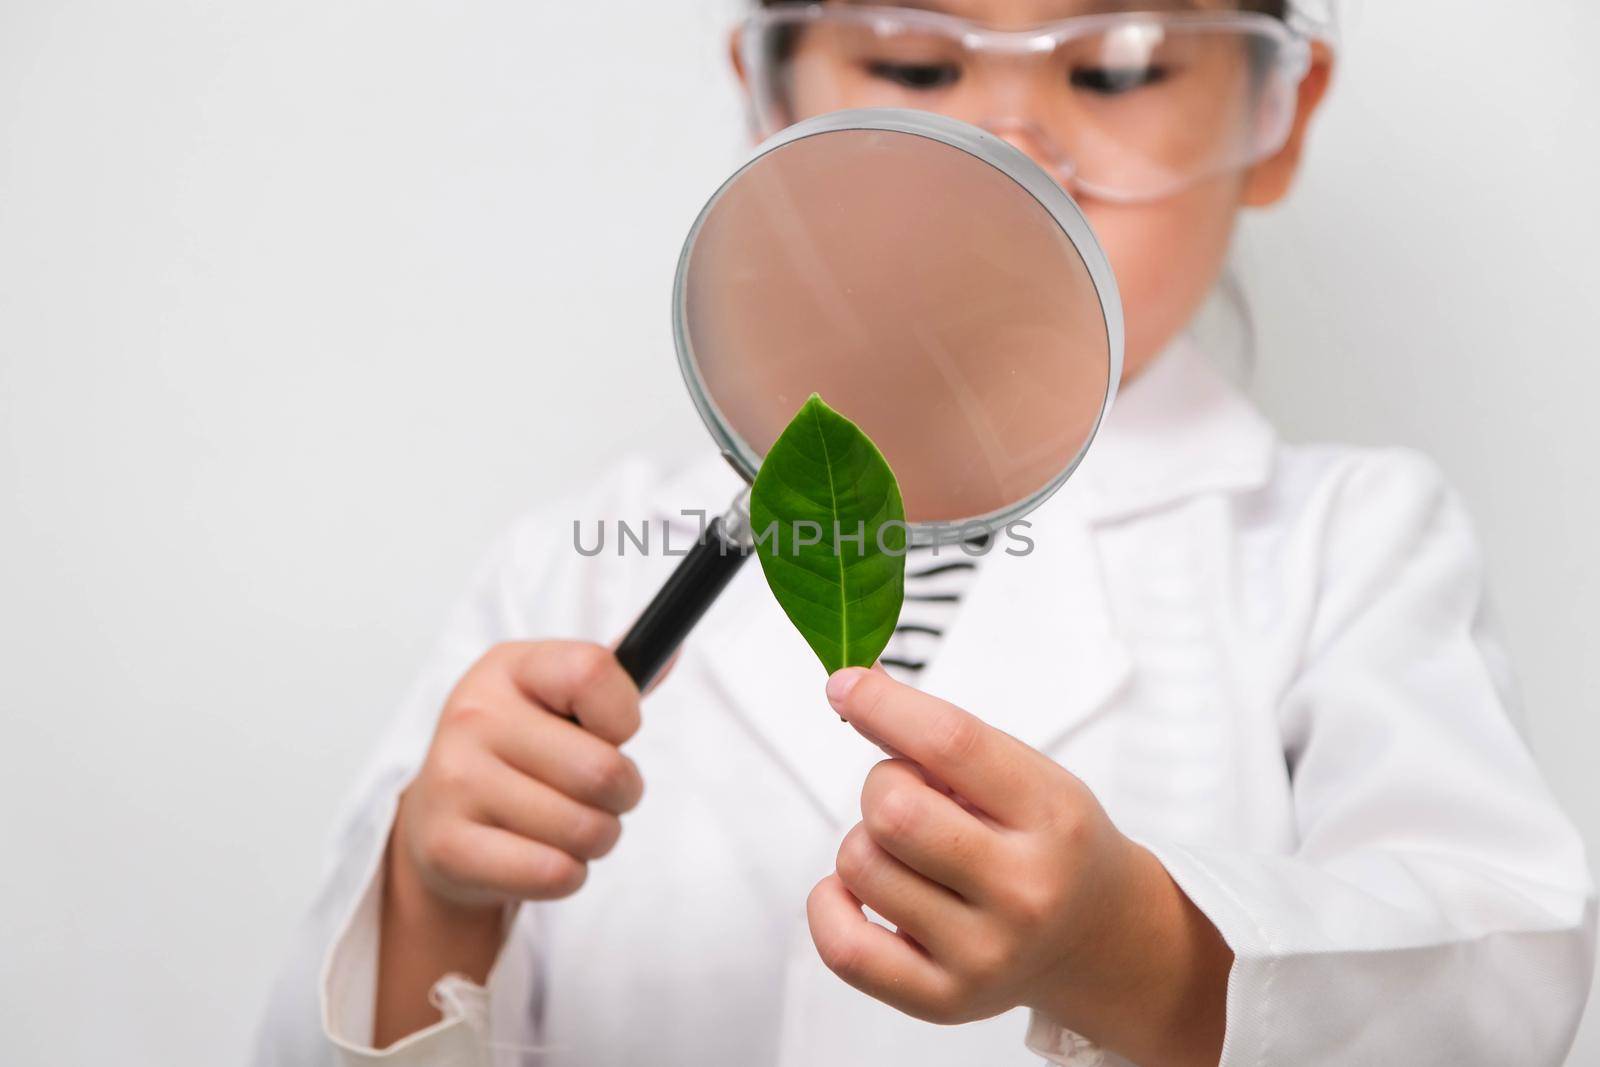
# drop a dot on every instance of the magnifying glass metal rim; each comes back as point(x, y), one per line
point(984, 146)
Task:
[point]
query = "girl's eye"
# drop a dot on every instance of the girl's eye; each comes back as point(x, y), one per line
point(920, 76)
point(1113, 81)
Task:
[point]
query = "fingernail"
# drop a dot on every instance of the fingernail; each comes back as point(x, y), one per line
point(840, 683)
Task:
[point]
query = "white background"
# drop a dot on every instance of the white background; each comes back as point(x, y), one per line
point(301, 301)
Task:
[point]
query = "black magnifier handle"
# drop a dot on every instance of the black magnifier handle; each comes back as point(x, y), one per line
point(693, 587)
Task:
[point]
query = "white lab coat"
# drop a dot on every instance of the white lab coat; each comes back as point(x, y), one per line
point(1272, 663)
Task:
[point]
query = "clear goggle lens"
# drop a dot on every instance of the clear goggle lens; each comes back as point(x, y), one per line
point(1123, 107)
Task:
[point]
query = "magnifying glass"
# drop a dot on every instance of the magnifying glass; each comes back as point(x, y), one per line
point(931, 283)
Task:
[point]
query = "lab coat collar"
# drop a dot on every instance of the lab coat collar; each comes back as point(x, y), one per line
point(1179, 429)
point(1034, 650)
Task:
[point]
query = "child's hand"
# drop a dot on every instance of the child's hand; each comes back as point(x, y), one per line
point(515, 797)
point(1008, 886)
point(512, 802)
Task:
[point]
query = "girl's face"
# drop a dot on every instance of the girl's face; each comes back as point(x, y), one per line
point(1168, 252)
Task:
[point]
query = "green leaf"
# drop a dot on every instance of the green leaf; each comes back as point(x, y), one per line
point(824, 481)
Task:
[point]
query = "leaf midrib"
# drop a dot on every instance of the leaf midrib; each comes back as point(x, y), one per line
point(838, 557)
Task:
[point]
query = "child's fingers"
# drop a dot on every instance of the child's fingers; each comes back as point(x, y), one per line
point(875, 960)
point(582, 681)
point(564, 755)
point(532, 809)
point(926, 830)
point(501, 863)
point(992, 769)
point(929, 914)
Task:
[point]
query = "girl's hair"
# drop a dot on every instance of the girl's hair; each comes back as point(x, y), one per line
point(1278, 9)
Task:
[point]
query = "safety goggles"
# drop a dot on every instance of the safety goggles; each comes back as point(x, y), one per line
point(1125, 107)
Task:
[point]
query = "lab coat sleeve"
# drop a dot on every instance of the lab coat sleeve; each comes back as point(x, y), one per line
point(1437, 909)
point(321, 1010)
point(348, 982)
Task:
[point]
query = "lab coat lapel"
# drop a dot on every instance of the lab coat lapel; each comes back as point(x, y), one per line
point(1178, 430)
point(1033, 650)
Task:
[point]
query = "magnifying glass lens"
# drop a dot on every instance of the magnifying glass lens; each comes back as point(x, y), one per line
point(924, 292)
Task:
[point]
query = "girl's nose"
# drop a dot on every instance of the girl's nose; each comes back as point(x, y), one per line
point(1034, 141)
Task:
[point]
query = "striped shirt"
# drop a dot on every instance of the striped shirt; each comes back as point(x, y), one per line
point(937, 578)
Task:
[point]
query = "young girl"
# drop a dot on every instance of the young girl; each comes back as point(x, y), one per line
point(1224, 771)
